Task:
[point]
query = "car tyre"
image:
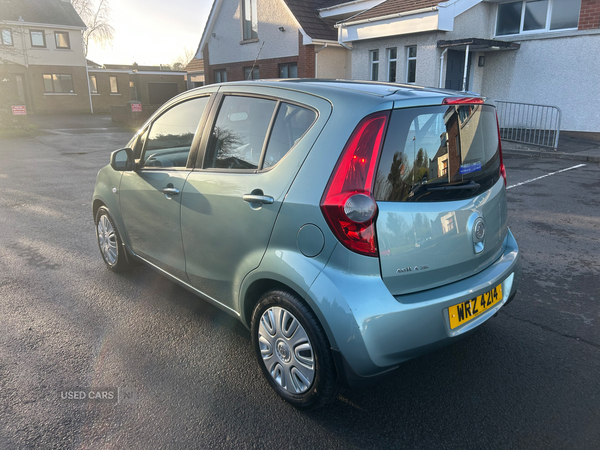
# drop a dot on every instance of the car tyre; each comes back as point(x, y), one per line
point(109, 242)
point(293, 351)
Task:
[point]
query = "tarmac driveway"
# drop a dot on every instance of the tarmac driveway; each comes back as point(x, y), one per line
point(527, 379)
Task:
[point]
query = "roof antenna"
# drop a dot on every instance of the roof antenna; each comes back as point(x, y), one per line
point(253, 65)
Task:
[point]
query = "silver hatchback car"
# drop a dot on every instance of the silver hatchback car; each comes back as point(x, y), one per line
point(350, 226)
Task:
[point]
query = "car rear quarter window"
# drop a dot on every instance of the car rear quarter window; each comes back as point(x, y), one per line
point(438, 153)
point(291, 124)
point(171, 135)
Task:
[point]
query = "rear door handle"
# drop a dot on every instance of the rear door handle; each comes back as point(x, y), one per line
point(264, 199)
point(170, 191)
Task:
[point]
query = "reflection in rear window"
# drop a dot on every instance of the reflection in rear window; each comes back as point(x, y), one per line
point(439, 153)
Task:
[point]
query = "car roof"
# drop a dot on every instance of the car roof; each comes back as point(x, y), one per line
point(330, 89)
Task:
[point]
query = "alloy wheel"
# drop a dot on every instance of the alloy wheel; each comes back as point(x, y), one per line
point(107, 240)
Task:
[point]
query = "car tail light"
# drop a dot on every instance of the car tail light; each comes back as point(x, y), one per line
point(348, 204)
point(502, 168)
point(463, 101)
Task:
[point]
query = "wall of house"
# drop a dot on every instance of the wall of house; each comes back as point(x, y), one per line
point(103, 100)
point(331, 63)
point(25, 54)
point(51, 103)
point(227, 46)
point(475, 22)
point(427, 58)
point(562, 71)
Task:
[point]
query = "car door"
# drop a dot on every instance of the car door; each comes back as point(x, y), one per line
point(150, 196)
point(257, 143)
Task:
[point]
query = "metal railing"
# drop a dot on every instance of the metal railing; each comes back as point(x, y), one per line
point(528, 123)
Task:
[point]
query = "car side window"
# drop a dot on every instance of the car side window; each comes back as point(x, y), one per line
point(239, 133)
point(171, 135)
point(291, 124)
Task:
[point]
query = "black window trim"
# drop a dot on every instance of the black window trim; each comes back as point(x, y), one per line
point(68, 47)
point(207, 132)
point(32, 30)
point(289, 64)
point(197, 136)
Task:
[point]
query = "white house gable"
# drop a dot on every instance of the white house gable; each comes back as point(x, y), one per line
point(276, 27)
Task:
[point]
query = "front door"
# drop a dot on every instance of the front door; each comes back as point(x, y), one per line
point(151, 195)
point(455, 70)
point(230, 204)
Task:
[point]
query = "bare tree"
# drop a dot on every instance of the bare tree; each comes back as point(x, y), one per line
point(183, 59)
point(96, 15)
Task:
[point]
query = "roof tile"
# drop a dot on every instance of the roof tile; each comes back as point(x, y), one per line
point(393, 7)
point(51, 12)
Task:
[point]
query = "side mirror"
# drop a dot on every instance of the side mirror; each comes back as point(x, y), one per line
point(122, 160)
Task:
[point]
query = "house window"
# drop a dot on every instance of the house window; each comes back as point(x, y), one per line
point(220, 76)
point(114, 86)
point(536, 16)
point(251, 74)
point(289, 70)
point(6, 37)
point(249, 20)
point(374, 65)
point(56, 83)
point(411, 64)
point(392, 60)
point(62, 39)
point(93, 84)
point(38, 38)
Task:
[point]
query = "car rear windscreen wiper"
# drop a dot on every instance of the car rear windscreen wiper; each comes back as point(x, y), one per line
point(469, 185)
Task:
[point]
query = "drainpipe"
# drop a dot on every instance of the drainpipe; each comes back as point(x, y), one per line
point(87, 75)
point(466, 68)
point(442, 66)
point(317, 59)
point(341, 27)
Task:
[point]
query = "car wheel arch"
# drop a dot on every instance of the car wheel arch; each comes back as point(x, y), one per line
point(259, 286)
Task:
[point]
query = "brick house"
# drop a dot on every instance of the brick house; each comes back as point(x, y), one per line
point(250, 39)
point(117, 85)
point(541, 52)
point(42, 58)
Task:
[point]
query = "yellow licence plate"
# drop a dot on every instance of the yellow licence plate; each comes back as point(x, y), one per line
point(468, 310)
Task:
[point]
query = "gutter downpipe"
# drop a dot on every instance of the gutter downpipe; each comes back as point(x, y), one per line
point(464, 89)
point(87, 75)
point(341, 27)
point(317, 59)
point(442, 66)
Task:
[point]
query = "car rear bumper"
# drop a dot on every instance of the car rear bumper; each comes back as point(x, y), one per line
point(372, 332)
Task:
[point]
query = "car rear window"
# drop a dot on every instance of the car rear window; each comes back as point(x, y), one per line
point(438, 153)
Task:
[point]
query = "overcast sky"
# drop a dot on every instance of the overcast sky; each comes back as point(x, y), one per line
point(152, 31)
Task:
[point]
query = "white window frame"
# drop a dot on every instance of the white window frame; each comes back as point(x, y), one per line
point(390, 61)
point(408, 60)
point(541, 30)
point(94, 85)
point(374, 63)
point(2, 41)
point(110, 86)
